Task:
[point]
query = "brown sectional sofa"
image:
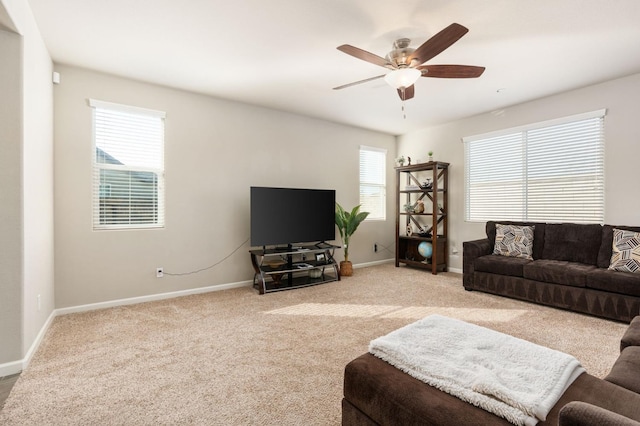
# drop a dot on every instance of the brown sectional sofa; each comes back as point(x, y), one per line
point(376, 393)
point(569, 270)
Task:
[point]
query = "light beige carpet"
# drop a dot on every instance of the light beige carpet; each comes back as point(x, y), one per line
point(237, 358)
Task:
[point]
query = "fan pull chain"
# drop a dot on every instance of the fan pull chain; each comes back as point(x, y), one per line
point(404, 113)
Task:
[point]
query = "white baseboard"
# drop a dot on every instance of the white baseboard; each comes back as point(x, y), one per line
point(377, 262)
point(14, 367)
point(382, 262)
point(150, 298)
point(10, 368)
point(36, 343)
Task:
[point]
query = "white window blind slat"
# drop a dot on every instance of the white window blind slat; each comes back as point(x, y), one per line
point(547, 173)
point(373, 182)
point(128, 178)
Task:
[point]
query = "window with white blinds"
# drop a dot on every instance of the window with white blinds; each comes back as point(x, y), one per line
point(128, 166)
point(373, 188)
point(547, 172)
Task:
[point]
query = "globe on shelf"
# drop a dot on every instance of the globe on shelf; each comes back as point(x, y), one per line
point(425, 249)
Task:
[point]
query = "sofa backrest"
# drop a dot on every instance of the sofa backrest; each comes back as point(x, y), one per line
point(584, 243)
point(538, 234)
point(572, 242)
point(604, 255)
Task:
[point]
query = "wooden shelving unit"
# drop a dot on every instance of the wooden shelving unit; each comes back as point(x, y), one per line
point(425, 182)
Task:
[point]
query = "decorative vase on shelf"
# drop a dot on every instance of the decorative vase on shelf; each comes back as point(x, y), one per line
point(315, 273)
point(426, 184)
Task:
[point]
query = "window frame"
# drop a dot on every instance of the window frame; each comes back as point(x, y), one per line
point(381, 185)
point(529, 139)
point(97, 168)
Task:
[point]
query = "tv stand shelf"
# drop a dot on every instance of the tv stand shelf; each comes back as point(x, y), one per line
point(278, 269)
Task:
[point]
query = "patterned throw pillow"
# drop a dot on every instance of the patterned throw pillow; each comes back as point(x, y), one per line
point(514, 241)
point(625, 255)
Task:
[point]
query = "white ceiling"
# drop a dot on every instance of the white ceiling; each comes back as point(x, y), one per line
point(282, 53)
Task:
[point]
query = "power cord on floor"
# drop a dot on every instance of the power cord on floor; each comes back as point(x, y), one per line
point(177, 274)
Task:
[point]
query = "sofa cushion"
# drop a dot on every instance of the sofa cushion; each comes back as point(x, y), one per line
point(538, 234)
point(558, 272)
point(625, 254)
point(388, 396)
point(631, 336)
point(626, 370)
point(514, 241)
point(578, 413)
point(626, 283)
point(604, 255)
point(572, 242)
point(501, 265)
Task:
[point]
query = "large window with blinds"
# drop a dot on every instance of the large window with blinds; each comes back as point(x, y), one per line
point(128, 166)
point(373, 188)
point(545, 172)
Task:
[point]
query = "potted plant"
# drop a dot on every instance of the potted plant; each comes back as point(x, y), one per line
point(430, 155)
point(347, 223)
point(400, 160)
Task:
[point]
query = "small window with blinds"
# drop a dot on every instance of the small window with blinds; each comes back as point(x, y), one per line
point(373, 186)
point(546, 172)
point(128, 166)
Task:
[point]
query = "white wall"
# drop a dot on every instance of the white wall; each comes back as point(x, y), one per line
point(214, 151)
point(622, 148)
point(26, 189)
point(10, 198)
point(6, 22)
point(37, 163)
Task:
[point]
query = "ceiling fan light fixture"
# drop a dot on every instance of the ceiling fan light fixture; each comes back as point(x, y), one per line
point(403, 77)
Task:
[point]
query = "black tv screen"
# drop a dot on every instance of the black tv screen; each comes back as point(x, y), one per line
point(281, 216)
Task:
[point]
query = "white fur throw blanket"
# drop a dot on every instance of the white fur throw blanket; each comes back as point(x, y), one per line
point(509, 377)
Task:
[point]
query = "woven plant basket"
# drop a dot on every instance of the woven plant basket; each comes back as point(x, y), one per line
point(346, 268)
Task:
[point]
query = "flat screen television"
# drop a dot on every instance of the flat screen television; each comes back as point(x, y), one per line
point(287, 216)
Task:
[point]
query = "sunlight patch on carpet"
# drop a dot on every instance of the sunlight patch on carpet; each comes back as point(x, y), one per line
point(392, 311)
point(465, 314)
point(335, 310)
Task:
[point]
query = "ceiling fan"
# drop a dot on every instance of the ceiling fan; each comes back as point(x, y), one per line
point(405, 62)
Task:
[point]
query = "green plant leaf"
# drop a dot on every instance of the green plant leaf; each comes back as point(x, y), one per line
point(347, 223)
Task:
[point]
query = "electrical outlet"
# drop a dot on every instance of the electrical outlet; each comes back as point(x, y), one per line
point(159, 272)
point(375, 247)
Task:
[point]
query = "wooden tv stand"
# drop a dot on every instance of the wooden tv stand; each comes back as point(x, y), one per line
point(278, 269)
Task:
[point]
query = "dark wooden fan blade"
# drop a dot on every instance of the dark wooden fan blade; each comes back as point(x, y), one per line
point(451, 71)
point(364, 55)
point(407, 93)
point(358, 82)
point(438, 43)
